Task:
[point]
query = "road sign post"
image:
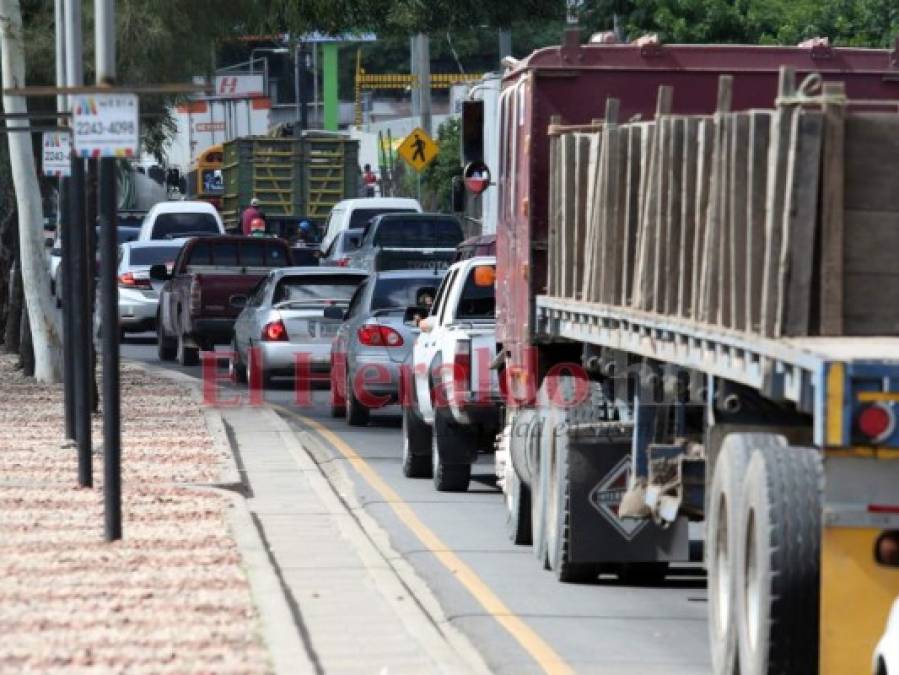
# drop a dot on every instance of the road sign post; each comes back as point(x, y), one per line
point(418, 149)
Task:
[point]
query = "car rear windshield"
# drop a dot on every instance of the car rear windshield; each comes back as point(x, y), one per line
point(170, 225)
point(155, 255)
point(476, 301)
point(318, 288)
point(417, 233)
point(360, 217)
point(404, 292)
point(238, 254)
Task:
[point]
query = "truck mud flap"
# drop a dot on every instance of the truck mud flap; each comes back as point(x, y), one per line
point(600, 471)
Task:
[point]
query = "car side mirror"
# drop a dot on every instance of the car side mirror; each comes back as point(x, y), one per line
point(335, 312)
point(414, 315)
point(238, 301)
point(159, 273)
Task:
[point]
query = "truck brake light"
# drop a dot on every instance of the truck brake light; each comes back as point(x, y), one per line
point(274, 331)
point(375, 335)
point(462, 366)
point(876, 422)
point(196, 297)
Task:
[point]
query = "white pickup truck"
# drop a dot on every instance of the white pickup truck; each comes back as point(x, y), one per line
point(453, 409)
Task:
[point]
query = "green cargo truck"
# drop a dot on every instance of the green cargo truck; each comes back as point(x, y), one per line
point(293, 178)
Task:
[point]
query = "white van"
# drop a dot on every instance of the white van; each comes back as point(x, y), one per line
point(355, 213)
point(173, 220)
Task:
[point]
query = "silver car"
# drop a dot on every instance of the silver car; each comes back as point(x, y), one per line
point(283, 323)
point(138, 293)
point(375, 340)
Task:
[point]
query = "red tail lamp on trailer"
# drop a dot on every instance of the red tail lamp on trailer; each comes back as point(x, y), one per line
point(876, 422)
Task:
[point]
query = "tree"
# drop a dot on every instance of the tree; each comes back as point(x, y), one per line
point(42, 315)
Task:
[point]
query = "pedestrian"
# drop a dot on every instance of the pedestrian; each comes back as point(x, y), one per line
point(257, 227)
point(307, 232)
point(369, 180)
point(251, 213)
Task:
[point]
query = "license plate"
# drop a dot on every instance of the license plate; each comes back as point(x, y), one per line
point(429, 265)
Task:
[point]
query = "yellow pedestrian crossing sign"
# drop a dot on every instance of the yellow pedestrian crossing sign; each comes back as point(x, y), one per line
point(418, 149)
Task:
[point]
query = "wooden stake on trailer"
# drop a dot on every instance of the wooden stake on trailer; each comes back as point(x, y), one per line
point(781, 124)
point(634, 138)
point(705, 147)
point(756, 186)
point(832, 250)
point(673, 227)
point(688, 216)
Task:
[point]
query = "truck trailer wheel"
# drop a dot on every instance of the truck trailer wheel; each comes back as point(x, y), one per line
point(558, 510)
point(721, 543)
point(778, 562)
point(416, 445)
point(451, 454)
point(518, 507)
point(186, 355)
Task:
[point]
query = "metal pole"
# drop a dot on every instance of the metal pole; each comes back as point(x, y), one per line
point(104, 14)
point(296, 82)
point(75, 289)
point(423, 69)
point(302, 94)
point(315, 96)
point(63, 225)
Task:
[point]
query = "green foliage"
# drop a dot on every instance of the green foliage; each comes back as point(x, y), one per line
point(437, 179)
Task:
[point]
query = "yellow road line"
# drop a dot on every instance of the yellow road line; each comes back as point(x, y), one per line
point(532, 643)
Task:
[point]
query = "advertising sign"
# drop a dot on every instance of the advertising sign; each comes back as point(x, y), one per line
point(57, 154)
point(106, 125)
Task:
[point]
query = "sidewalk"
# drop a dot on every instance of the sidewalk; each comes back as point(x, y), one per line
point(354, 614)
point(171, 596)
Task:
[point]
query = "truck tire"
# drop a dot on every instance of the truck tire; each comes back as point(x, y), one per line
point(417, 443)
point(518, 507)
point(186, 355)
point(539, 488)
point(721, 543)
point(357, 415)
point(450, 454)
point(558, 502)
point(165, 346)
point(238, 371)
point(778, 554)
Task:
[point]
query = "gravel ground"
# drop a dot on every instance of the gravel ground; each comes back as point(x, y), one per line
point(171, 597)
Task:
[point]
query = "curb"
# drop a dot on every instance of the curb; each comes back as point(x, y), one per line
point(276, 624)
point(443, 640)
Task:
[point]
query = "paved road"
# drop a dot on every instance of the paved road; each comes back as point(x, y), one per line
point(516, 614)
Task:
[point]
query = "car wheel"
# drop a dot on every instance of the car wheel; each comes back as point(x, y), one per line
point(338, 397)
point(416, 445)
point(187, 356)
point(357, 415)
point(236, 370)
point(256, 373)
point(165, 346)
point(450, 455)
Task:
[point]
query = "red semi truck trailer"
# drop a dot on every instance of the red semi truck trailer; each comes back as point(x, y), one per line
point(601, 474)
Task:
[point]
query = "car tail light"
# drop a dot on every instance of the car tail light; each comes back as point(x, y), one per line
point(275, 331)
point(876, 422)
point(127, 280)
point(342, 262)
point(462, 366)
point(196, 297)
point(375, 335)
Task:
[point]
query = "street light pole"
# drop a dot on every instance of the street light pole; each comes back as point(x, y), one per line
point(104, 20)
point(63, 226)
point(76, 289)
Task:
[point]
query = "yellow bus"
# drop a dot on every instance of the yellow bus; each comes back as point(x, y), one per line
point(205, 180)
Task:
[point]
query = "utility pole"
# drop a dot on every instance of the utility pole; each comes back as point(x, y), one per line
point(75, 289)
point(505, 45)
point(63, 226)
point(422, 61)
point(104, 20)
